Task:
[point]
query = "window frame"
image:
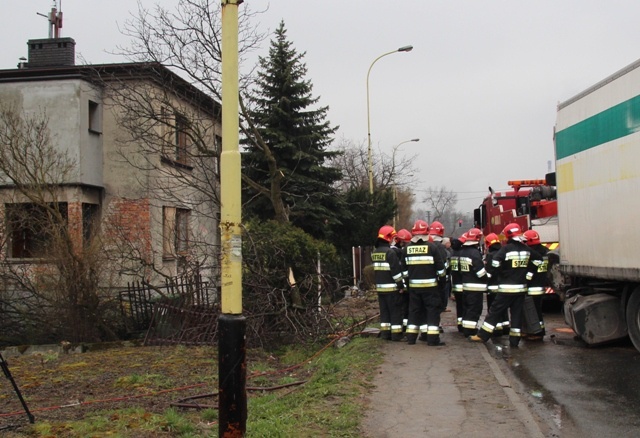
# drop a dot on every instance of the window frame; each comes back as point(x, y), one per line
point(20, 218)
point(94, 117)
point(176, 232)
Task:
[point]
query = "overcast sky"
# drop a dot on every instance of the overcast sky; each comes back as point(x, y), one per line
point(479, 89)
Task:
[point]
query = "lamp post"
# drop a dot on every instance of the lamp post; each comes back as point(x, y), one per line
point(370, 157)
point(232, 370)
point(393, 175)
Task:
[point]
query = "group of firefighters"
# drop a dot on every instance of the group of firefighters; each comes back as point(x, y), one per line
point(416, 272)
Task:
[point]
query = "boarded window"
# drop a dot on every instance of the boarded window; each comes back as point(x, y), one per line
point(182, 231)
point(175, 231)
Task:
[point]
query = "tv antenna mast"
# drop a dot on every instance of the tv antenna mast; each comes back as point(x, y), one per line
point(55, 19)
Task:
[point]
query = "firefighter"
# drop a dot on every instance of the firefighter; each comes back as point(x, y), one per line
point(540, 281)
point(436, 235)
point(492, 245)
point(402, 238)
point(473, 276)
point(425, 268)
point(513, 265)
point(456, 284)
point(389, 284)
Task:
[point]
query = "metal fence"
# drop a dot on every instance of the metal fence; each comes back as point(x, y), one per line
point(183, 310)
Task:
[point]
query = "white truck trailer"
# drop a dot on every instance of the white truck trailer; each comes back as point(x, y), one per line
point(597, 147)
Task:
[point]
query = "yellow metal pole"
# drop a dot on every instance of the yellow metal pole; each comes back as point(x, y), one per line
point(232, 398)
point(230, 181)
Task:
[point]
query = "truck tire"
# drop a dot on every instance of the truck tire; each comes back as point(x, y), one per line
point(633, 318)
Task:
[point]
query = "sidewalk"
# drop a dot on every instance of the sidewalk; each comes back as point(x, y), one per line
point(451, 391)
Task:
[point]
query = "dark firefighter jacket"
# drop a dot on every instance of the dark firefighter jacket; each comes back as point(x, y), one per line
point(425, 264)
point(492, 284)
point(456, 284)
point(387, 268)
point(473, 275)
point(540, 280)
point(514, 265)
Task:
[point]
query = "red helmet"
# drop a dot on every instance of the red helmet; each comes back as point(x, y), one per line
point(436, 228)
point(420, 228)
point(474, 235)
point(386, 233)
point(512, 230)
point(404, 235)
point(491, 238)
point(463, 238)
point(532, 236)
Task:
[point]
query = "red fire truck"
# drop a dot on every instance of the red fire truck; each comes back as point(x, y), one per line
point(531, 203)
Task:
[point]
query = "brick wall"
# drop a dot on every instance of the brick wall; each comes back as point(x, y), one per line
point(74, 220)
point(130, 219)
point(50, 52)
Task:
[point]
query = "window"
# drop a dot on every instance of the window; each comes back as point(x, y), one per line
point(95, 117)
point(175, 134)
point(181, 127)
point(182, 231)
point(32, 227)
point(90, 216)
point(217, 144)
point(175, 231)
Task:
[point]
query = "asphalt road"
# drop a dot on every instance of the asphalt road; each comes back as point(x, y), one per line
point(557, 388)
point(580, 391)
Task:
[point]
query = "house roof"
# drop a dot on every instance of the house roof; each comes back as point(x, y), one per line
point(99, 73)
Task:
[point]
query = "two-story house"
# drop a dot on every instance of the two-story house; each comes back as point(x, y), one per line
point(143, 147)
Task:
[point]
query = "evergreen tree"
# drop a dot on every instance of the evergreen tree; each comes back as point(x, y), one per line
point(297, 135)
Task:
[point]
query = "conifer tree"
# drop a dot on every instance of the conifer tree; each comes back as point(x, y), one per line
point(288, 123)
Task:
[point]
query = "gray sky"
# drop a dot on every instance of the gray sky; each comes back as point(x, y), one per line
point(479, 89)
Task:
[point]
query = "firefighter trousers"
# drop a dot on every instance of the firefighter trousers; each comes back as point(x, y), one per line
point(459, 297)
point(537, 302)
point(473, 301)
point(424, 315)
point(390, 304)
point(513, 302)
point(503, 324)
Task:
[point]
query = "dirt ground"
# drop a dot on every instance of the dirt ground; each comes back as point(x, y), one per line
point(58, 386)
point(455, 390)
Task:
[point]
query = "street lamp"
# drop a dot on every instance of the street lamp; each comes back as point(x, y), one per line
point(370, 157)
point(393, 175)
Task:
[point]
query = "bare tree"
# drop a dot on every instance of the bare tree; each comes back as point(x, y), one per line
point(388, 170)
point(405, 199)
point(54, 277)
point(441, 206)
point(187, 39)
point(440, 200)
point(170, 142)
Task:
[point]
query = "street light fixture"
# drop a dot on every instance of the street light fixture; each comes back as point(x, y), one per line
point(370, 157)
point(393, 176)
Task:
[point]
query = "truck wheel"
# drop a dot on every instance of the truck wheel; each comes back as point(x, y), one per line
point(633, 318)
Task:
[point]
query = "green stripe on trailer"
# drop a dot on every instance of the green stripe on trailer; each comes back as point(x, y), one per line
point(616, 122)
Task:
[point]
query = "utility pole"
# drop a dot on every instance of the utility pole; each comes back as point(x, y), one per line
point(232, 374)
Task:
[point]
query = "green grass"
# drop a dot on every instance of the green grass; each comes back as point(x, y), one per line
point(328, 404)
point(130, 422)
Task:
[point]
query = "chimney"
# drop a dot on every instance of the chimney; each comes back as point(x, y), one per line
point(51, 52)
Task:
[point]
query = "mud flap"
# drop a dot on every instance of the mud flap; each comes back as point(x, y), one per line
point(596, 318)
point(530, 321)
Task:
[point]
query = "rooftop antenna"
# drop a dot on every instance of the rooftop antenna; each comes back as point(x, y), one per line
point(55, 19)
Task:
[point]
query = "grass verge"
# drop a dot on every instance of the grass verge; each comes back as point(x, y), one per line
point(128, 392)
